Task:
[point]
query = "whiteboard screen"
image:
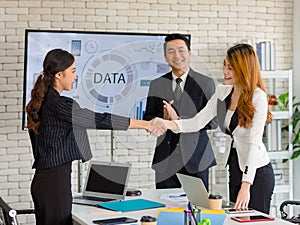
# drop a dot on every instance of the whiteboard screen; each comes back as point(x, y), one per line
point(113, 69)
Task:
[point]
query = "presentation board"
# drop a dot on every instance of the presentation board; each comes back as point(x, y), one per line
point(113, 70)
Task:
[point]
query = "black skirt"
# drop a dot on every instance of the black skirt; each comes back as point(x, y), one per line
point(260, 191)
point(52, 195)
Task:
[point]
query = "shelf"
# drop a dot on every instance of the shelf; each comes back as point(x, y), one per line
point(276, 74)
point(276, 83)
point(280, 115)
point(278, 154)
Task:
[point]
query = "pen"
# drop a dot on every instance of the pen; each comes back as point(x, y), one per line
point(177, 196)
point(193, 218)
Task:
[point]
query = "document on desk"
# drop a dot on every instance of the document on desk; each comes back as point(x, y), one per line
point(131, 205)
point(179, 198)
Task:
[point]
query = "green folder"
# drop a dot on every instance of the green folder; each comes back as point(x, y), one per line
point(130, 205)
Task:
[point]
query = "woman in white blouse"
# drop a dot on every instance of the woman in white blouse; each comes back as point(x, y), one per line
point(241, 107)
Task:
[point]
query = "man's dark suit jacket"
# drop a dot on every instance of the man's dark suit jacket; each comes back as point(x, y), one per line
point(195, 149)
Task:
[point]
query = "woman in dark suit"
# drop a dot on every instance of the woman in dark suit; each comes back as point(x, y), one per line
point(57, 127)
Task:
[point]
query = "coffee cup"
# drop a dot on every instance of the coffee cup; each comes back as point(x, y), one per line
point(215, 202)
point(148, 220)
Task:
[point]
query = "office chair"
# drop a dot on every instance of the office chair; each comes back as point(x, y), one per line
point(8, 216)
point(284, 215)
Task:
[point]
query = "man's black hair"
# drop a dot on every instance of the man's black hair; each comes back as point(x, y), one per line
point(175, 36)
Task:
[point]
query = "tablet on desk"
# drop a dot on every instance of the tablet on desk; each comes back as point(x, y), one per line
point(255, 218)
point(242, 210)
point(112, 221)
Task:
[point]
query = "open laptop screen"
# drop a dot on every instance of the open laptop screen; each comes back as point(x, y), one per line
point(107, 179)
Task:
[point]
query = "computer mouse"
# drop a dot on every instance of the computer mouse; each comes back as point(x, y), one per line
point(133, 192)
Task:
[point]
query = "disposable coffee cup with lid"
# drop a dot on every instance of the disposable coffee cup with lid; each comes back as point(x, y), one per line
point(215, 202)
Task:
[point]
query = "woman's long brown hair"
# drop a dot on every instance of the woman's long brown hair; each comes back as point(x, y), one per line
point(55, 61)
point(245, 64)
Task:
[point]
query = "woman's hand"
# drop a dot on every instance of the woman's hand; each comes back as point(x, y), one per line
point(243, 197)
point(157, 127)
point(169, 111)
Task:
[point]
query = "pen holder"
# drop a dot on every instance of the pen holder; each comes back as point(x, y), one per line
point(186, 217)
point(205, 217)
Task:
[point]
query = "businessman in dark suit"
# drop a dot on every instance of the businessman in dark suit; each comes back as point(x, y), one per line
point(187, 153)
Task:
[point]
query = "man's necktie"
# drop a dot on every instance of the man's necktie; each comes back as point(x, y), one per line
point(178, 90)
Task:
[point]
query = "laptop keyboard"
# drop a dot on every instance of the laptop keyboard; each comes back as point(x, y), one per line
point(93, 198)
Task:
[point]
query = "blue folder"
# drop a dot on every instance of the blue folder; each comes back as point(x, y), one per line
point(174, 218)
point(130, 205)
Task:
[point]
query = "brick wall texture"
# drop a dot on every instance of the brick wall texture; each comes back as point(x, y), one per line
point(214, 25)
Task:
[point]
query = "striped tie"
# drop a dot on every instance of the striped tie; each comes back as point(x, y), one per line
point(178, 91)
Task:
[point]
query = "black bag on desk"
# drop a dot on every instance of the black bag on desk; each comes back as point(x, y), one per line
point(284, 215)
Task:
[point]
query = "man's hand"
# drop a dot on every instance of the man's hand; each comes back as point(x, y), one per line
point(157, 127)
point(166, 115)
point(169, 111)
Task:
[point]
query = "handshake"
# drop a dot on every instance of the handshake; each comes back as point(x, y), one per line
point(157, 127)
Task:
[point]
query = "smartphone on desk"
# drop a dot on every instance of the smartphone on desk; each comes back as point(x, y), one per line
point(255, 218)
point(117, 220)
point(234, 211)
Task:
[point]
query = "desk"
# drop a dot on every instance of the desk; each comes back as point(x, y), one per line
point(84, 215)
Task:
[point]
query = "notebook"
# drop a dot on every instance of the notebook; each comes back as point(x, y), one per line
point(196, 191)
point(131, 205)
point(105, 181)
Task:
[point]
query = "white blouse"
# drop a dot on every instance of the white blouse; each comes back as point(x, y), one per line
point(251, 151)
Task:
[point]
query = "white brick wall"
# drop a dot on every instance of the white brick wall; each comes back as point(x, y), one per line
point(214, 25)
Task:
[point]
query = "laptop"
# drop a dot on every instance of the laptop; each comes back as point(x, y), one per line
point(196, 191)
point(105, 181)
